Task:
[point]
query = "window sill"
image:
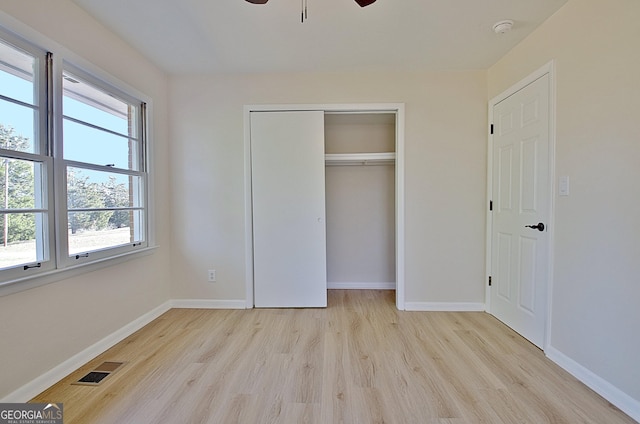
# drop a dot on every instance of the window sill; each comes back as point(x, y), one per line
point(26, 283)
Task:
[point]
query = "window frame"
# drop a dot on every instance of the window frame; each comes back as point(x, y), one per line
point(60, 264)
point(41, 154)
point(65, 259)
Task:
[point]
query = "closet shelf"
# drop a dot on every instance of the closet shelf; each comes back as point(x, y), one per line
point(336, 159)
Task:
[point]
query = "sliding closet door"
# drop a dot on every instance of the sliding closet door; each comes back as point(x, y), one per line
point(289, 241)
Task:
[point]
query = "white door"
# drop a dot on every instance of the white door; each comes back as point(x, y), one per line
point(288, 194)
point(521, 205)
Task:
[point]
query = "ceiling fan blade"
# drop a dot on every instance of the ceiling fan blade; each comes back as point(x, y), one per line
point(362, 3)
point(261, 1)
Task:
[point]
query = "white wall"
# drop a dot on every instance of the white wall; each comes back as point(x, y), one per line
point(596, 287)
point(445, 143)
point(42, 327)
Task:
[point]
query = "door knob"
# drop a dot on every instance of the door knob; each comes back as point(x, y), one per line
point(539, 226)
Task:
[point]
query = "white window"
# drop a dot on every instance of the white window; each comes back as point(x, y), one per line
point(26, 167)
point(103, 167)
point(88, 137)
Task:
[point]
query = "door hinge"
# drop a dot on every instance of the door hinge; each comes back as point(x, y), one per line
point(491, 128)
point(489, 281)
point(490, 205)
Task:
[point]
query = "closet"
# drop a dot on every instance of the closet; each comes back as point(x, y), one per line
point(325, 203)
point(360, 200)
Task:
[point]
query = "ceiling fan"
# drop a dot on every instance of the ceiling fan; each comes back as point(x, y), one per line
point(362, 3)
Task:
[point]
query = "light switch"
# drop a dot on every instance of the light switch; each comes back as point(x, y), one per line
point(563, 186)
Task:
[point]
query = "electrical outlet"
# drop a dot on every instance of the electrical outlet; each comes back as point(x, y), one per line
point(212, 275)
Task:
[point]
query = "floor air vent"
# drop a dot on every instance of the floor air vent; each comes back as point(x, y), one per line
point(98, 375)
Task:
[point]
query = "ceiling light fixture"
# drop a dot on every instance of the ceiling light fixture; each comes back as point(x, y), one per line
point(364, 3)
point(361, 3)
point(500, 27)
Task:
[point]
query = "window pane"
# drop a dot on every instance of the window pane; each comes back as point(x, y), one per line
point(90, 145)
point(16, 74)
point(87, 103)
point(89, 231)
point(18, 244)
point(18, 187)
point(88, 189)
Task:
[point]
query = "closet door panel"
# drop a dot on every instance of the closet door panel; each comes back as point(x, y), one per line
point(288, 189)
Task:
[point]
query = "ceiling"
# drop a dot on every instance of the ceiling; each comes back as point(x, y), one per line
point(223, 36)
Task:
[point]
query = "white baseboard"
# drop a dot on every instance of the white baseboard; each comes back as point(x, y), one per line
point(617, 397)
point(444, 306)
point(361, 286)
point(208, 304)
point(46, 380)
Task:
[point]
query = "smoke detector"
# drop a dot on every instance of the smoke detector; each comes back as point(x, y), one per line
point(502, 26)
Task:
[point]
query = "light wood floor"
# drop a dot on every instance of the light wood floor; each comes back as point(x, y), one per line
point(358, 361)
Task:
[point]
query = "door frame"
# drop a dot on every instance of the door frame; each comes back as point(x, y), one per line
point(398, 110)
point(547, 69)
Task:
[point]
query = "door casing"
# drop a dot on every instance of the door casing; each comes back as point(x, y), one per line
point(549, 69)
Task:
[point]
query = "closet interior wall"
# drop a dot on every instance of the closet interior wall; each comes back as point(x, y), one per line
point(360, 202)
